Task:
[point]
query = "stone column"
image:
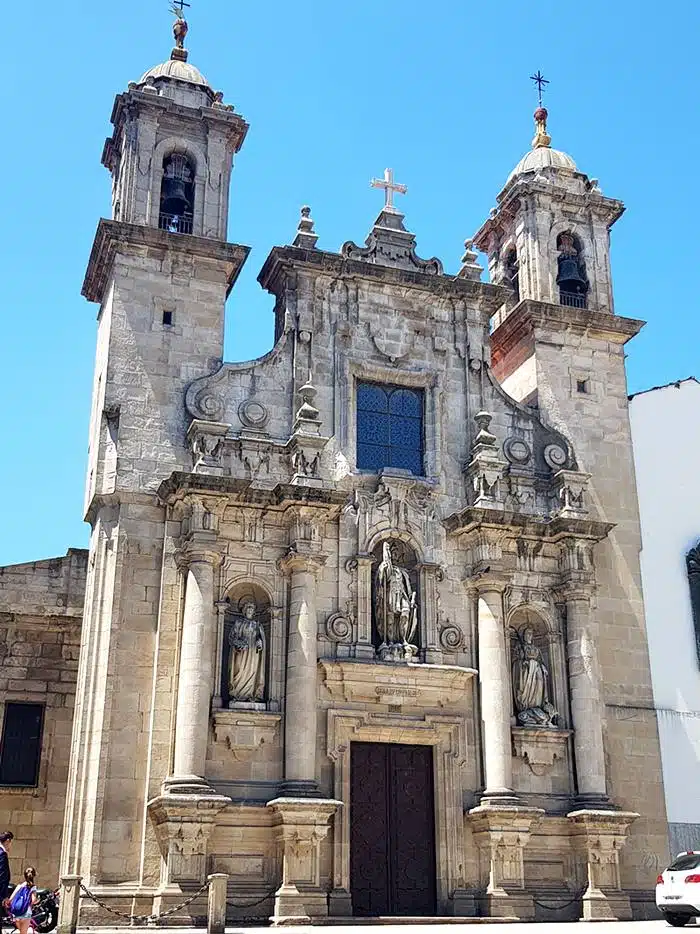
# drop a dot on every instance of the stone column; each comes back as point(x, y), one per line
point(195, 674)
point(586, 705)
point(216, 907)
point(69, 904)
point(494, 682)
point(301, 702)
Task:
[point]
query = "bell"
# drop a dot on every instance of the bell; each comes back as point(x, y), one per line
point(569, 278)
point(174, 198)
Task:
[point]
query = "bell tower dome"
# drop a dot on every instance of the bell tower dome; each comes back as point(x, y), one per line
point(172, 149)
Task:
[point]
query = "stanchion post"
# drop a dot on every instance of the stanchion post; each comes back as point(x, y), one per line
point(216, 916)
point(69, 903)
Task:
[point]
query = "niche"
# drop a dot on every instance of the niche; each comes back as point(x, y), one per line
point(246, 655)
point(395, 601)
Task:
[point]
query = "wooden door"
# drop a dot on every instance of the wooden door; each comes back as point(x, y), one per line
point(392, 830)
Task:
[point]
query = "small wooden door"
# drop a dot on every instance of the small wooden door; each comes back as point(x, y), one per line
point(392, 830)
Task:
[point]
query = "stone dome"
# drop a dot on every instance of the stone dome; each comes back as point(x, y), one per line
point(543, 158)
point(178, 71)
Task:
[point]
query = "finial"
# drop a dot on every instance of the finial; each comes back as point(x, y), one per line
point(541, 138)
point(180, 27)
point(306, 238)
point(470, 268)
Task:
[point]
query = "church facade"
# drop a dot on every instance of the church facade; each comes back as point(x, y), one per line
point(363, 624)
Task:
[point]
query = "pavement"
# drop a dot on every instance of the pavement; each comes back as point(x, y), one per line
point(494, 927)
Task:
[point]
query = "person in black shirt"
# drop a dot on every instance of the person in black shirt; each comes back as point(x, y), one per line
point(6, 839)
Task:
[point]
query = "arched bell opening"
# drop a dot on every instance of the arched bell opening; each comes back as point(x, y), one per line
point(571, 271)
point(512, 272)
point(246, 649)
point(177, 194)
point(395, 601)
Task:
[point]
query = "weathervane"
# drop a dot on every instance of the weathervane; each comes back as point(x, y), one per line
point(540, 81)
point(389, 186)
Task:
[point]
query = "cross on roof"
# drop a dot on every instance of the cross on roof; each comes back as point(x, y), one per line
point(540, 81)
point(177, 8)
point(389, 186)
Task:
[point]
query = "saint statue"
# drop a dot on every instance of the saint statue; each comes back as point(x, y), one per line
point(395, 609)
point(533, 706)
point(246, 680)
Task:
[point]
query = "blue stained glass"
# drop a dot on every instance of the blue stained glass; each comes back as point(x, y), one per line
point(406, 402)
point(372, 398)
point(405, 432)
point(389, 428)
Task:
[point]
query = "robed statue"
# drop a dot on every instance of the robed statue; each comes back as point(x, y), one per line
point(395, 609)
point(533, 705)
point(247, 658)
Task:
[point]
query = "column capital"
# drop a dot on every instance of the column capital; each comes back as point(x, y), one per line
point(486, 581)
point(573, 592)
point(298, 559)
point(196, 551)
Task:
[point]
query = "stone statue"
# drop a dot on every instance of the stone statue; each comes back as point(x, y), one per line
point(246, 679)
point(395, 609)
point(533, 706)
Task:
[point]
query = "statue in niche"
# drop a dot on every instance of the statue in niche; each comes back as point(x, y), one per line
point(396, 609)
point(247, 659)
point(533, 706)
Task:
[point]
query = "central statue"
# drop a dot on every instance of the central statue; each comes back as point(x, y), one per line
point(247, 659)
point(396, 610)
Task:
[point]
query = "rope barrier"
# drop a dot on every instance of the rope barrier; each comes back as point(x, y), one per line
point(143, 919)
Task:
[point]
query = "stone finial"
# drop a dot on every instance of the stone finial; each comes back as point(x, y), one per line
point(484, 436)
point(306, 237)
point(307, 411)
point(470, 269)
point(541, 138)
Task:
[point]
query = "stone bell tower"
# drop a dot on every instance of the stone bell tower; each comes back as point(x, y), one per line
point(558, 346)
point(160, 271)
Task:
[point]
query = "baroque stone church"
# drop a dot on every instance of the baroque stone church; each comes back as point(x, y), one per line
point(363, 623)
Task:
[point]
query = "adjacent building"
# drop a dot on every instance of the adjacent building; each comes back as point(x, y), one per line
point(670, 512)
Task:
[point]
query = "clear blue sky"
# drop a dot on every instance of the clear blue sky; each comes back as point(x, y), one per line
point(333, 93)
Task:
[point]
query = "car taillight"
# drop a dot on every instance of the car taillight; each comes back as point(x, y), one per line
point(695, 877)
point(659, 879)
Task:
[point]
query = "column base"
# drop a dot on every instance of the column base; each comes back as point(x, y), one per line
point(300, 824)
point(499, 799)
point(183, 823)
point(597, 836)
point(593, 801)
point(186, 785)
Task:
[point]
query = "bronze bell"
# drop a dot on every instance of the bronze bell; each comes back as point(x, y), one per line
point(174, 200)
point(569, 277)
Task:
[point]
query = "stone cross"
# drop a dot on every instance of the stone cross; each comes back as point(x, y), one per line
point(389, 186)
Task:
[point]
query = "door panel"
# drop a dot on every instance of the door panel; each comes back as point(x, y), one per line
point(392, 830)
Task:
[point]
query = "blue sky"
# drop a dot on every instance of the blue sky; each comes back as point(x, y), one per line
point(333, 93)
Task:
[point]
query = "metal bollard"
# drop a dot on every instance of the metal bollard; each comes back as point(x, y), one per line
point(69, 903)
point(216, 915)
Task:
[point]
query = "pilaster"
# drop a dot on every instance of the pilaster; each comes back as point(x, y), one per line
point(597, 838)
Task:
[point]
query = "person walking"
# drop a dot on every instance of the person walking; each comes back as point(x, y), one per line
point(23, 900)
point(6, 839)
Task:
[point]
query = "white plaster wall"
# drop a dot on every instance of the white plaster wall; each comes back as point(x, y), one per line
point(666, 437)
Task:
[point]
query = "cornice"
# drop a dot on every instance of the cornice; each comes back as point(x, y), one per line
point(528, 315)
point(476, 519)
point(283, 258)
point(113, 236)
point(178, 485)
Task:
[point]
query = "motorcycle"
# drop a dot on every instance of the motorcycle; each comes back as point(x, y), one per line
point(44, 912)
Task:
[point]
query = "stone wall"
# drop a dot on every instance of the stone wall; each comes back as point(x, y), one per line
point(41, 605)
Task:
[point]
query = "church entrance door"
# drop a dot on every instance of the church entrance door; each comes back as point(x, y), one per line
point(392, 830)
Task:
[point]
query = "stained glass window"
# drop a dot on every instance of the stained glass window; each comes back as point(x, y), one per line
point(389, 427)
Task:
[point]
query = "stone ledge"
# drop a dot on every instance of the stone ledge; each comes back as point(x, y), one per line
point(245, 732)
point(410, 684)
point(540, 746)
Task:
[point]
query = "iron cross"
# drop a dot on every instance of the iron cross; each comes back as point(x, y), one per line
point(540, 81)
point(389, 186)
point(177, 8)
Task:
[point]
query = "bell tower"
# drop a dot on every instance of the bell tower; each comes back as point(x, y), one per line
point(160, 271)
point(549, 236)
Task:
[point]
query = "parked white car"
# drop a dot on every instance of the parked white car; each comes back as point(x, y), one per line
point(678, 889)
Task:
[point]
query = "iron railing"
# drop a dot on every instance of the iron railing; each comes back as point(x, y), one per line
point(176, 223)
point(572, 299)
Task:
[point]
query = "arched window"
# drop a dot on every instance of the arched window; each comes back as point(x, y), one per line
point(395, 601)
point(177, 194)
point(571, 271)
point(512, 272)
